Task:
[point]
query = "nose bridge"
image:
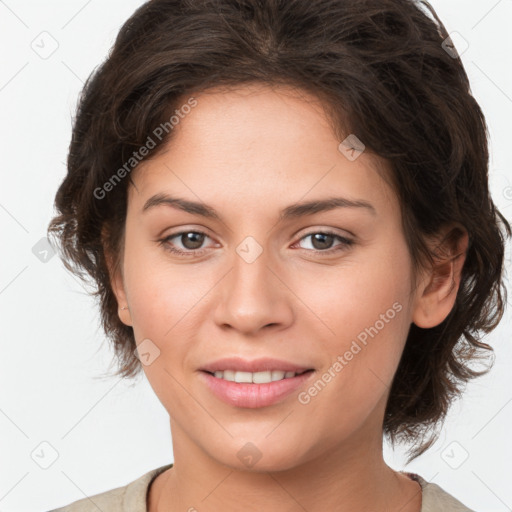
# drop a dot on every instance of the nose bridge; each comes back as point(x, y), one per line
point(252, 297)
point(251, 266)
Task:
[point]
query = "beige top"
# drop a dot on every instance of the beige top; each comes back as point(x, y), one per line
point(133, 497)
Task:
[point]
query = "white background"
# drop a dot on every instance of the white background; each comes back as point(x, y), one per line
point(107, 432)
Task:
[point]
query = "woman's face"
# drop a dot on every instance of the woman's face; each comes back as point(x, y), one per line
point(326, 289)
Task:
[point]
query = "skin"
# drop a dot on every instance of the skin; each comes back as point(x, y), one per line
point(248, 153)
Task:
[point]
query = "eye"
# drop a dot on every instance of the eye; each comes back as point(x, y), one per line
point(321, 241)
point(191, 242)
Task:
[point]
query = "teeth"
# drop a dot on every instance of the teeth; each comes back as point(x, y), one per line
point(254, 378)
point(278, 375)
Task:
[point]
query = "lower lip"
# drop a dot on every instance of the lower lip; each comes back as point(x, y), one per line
point(252, 396)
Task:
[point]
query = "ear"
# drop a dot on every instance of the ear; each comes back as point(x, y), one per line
point(439, 285)
point(114, 265)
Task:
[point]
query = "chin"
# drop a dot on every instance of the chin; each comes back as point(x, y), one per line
point(260, 457)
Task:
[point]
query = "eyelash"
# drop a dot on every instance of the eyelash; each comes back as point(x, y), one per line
point(345, 243)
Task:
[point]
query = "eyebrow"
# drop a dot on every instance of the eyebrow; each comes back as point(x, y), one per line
point(293, 211)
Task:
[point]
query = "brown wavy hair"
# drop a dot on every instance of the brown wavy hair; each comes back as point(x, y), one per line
point(382, 71)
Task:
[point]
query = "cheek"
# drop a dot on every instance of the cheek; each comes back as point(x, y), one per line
point(365, 305)
point(164, 298)
point(155, 296)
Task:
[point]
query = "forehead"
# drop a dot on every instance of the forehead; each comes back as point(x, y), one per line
point(259, 142)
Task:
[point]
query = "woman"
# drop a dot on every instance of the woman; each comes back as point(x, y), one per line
point(285, 208)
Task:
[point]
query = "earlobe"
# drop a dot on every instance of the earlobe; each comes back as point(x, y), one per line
point(124, 315)
point(439, 287)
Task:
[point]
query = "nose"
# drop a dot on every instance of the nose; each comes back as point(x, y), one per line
point(254, 295)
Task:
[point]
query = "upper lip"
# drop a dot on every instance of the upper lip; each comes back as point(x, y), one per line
point(255, 365)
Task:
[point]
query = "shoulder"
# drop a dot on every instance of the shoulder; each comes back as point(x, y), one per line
point(435, 498)
point(130, 497)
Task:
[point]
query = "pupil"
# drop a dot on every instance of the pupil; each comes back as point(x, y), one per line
point(322, 237)
point(192, 240)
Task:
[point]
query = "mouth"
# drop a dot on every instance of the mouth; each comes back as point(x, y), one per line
point(242, 389)
point(263, 377)
point(254, 383)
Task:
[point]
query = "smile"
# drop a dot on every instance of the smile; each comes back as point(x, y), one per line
point(248, 392)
